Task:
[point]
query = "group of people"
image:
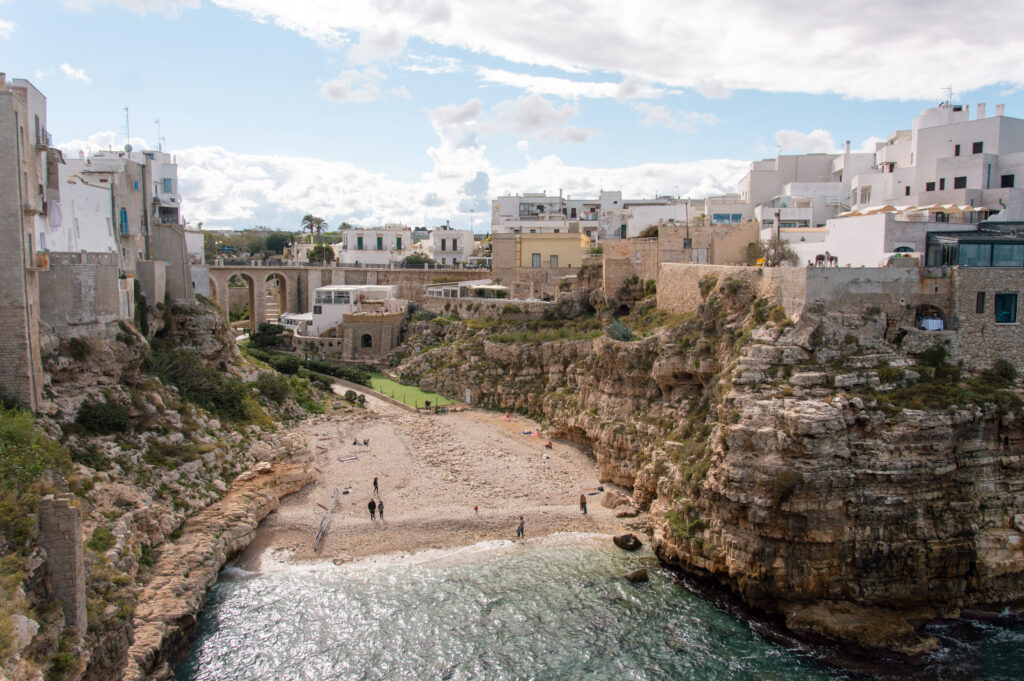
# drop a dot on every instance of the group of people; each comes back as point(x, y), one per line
point(365, 442)
point(376, 506)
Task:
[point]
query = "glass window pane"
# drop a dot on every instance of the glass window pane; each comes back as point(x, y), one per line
point(1008, 255)
point(1006, 308)
point(975, 255)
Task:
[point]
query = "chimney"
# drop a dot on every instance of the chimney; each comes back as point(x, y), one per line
point(3, 81)
point(981, 110)
point(999, 109)
point(847, 146)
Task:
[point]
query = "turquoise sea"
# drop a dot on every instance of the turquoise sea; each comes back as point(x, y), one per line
point(549, 608)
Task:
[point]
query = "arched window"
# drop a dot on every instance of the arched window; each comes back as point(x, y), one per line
point(367, 341)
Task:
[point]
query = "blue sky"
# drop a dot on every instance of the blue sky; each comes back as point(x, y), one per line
point(420, 111)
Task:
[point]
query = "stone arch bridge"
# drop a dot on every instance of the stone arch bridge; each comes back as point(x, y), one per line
point(295, 284)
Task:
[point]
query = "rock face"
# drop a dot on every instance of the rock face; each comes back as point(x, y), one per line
point(169, 606)
point(778, 459)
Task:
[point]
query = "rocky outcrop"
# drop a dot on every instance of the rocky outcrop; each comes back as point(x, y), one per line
point(167, 618)
point(805, 464)
point(627, 542)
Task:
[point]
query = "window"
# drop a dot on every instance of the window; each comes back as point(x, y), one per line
point(341, 297)
point(398, 243)
point(136, 185)
point(942, 184)
point(956, 150)
point(622, 231)
point(455, 244)
point(572, 212)
point(975, 255)
point(1008, 255)
point(535, 260)
point(687, 243)
point(977, 147)
point(359, 243)
point(960, 182)
point(979, 302)
point(636, 256)
point(167, 185)
point(380, 243)
point(906, 190)
point(929, 186)
point(1006, 181)
point(443, 244)
point(1006, 308)
point(42, 241)
point(865, 194)
point(554, 261)
point(317, 309)
point(366, 341)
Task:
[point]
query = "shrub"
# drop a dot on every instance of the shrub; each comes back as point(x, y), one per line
point(79, 348)
point(933, 356)
point(286, 364)
point(103, 418)
point(1004, 369)
point(353, 374)
point(777, 314)
point(274, 387)
point(707, 285)
point(784, 485)
point(102, 540)
point(888, 374)
point(222, 395)
point(619, 331)
point(650, 287)
point(91, 456)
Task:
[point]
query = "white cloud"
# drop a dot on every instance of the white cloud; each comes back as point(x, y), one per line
point(431, 64)
point(660, 116)
point(534, 115)
point(714, 46)
point(400, 92)
point(169, 7)
point(630, 88)
point(796, 142)
point(353, 85)
point(6, 28)
point(75, 74)
point(98, 142)
point(373, 46)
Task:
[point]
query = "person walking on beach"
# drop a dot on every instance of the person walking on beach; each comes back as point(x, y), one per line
point(373, 509)
point(521, 530)
point(583, 504)
point(476, 510)
point(380, 509)
point(376, 490)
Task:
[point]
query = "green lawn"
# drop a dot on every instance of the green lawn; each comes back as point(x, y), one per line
point(408, 394)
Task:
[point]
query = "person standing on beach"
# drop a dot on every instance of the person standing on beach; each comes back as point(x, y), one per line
point(380, 509)
point(521, 530)
point(373, 509)
point(583, 503)
point(376, 490)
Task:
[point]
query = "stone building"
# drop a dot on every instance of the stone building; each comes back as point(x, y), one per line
point(537, 263)
point(351, 323)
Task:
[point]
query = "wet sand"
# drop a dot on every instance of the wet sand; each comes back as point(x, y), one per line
point(432, 470)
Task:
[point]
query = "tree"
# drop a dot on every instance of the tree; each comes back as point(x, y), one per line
point(418, 259)
point(321, 253)
point(775, 252)
point(277, 242)
point(344, 225)
point(313, 225)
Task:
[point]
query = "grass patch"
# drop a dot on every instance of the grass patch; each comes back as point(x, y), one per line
point(406, 394)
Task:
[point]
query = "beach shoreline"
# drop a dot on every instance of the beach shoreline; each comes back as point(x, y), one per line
point(432, 471)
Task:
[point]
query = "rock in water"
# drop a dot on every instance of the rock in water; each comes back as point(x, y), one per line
point(627, 541)
point(638, 575)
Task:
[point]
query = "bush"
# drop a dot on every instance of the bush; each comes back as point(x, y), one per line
point(91, 456)
point(274, 387)
point(1003, 369)
point(707, 285)
point(286, 364)
point(79, 348)
point(102, 540)
point(650, 287)
point(219, 394)
point(777, 314)
point(353, 374)
point(619, 331)
point(104, 418)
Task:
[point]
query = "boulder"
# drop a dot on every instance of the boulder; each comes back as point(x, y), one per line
point(613, 499)
point(627, 541)
point(636, 576)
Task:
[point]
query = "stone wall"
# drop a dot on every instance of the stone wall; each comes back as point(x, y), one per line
point(679, 284)
point(60, 535)
point(80, 289)
point(469, 308)
point(169, 245)
point(625, 258)
point(981, 340)
point(152, 277)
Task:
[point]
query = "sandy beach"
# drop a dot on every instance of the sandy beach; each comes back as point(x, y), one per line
point(432, 471)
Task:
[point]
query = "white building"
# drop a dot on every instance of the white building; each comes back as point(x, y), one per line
point(86, 222)
point(377, 247)
point(449, 247)
point(332, 303)
point(608, 216)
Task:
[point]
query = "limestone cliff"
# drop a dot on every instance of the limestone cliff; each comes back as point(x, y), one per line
point(812, 467)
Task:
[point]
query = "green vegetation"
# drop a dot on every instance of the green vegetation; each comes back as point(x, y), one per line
point(407, 394)
point(220, 394)
point(321, 253)
point(707, 285)
point(284, 362)
point(274, 387)
point(102, 540)
point(619, 331)
point(104, 418)
point(419, 259)
point(270, 336)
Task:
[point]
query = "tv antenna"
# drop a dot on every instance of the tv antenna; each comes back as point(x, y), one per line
point(949, 94)
point(159, 138)
point(127, 126)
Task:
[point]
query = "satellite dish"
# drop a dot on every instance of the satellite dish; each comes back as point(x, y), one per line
point(128, 147)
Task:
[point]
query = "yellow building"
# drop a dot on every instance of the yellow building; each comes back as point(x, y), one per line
point(538, 259)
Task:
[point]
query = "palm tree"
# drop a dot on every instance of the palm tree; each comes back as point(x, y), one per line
point(313, 224)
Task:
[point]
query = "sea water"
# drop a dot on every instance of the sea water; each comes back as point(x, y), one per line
point(550, 608)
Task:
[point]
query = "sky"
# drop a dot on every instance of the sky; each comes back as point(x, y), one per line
point(422, 111)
